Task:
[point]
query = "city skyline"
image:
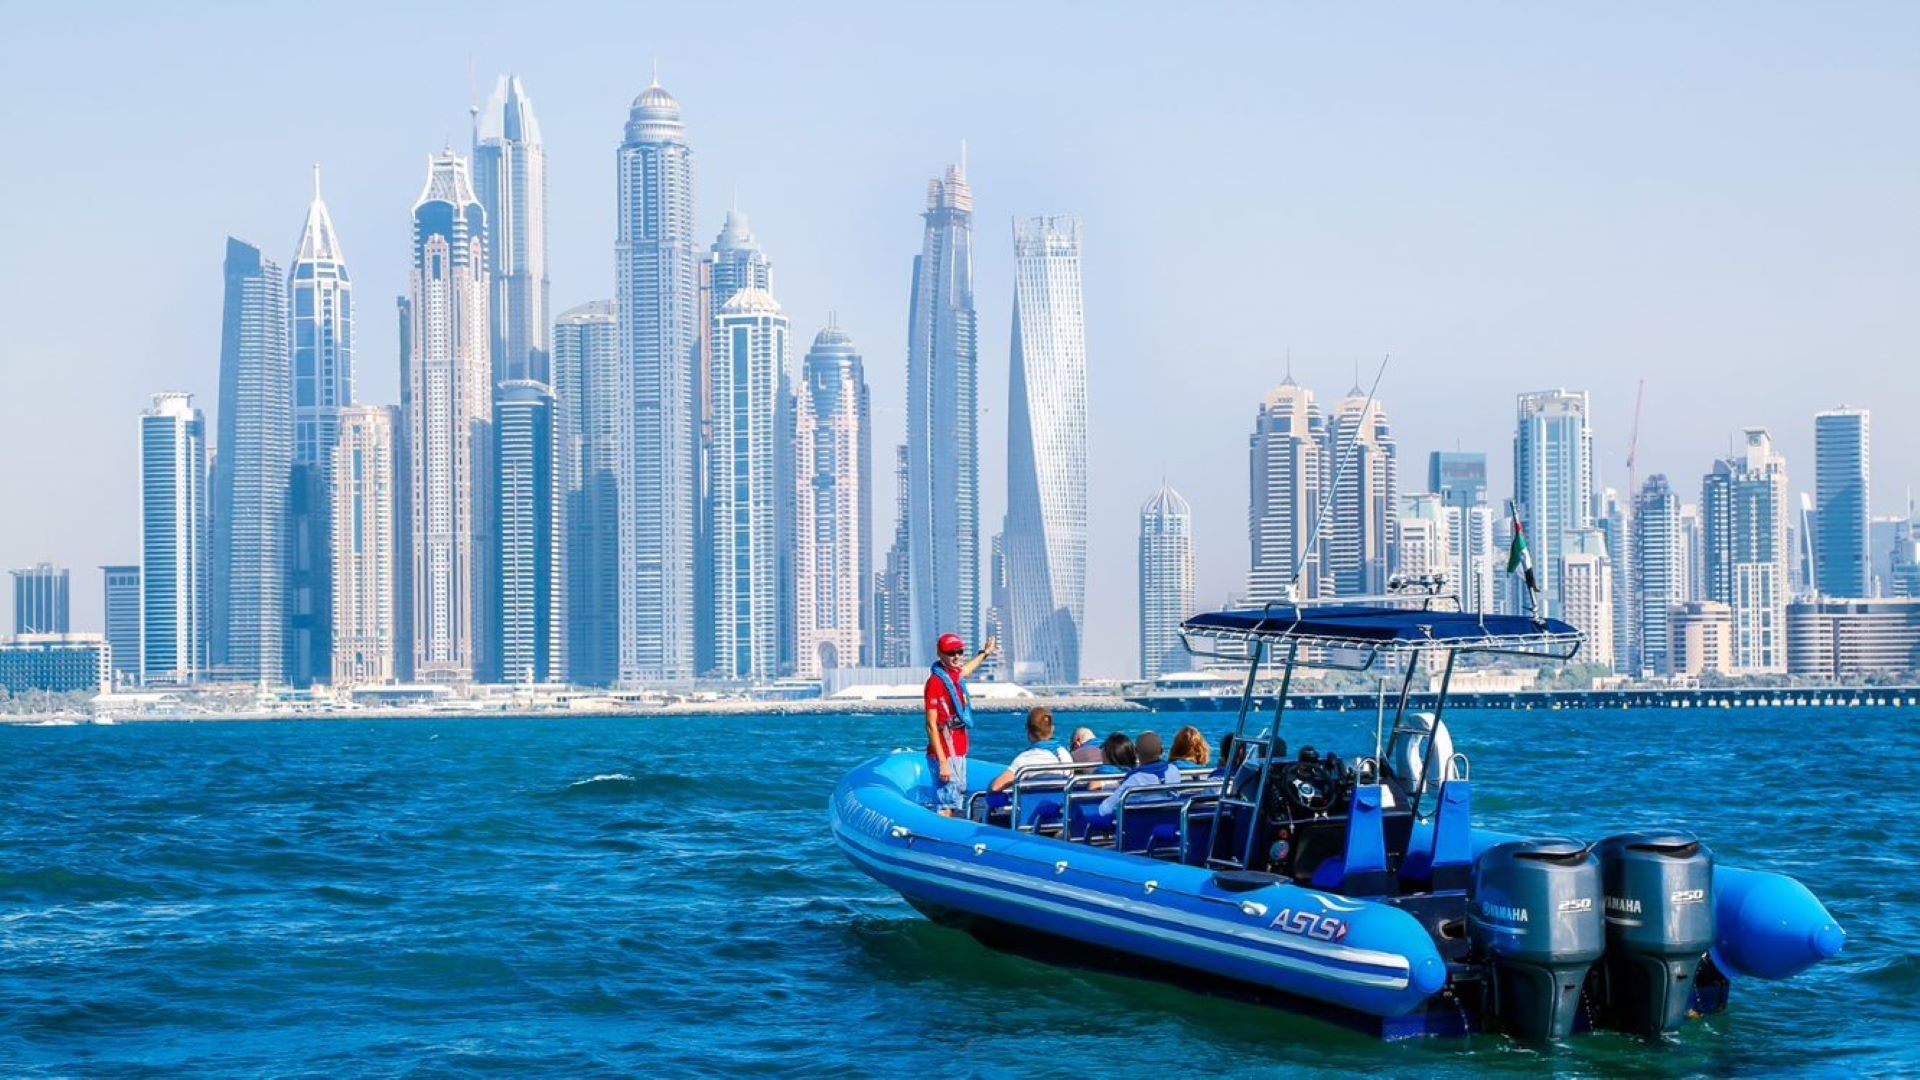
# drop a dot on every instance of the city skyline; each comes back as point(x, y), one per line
point(1688, 423)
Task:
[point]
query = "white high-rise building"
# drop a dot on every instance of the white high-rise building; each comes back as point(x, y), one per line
point(658, 294)
point(448, 401)
point(1744, 503)
point(750, 352)
point(320, 300)
point(833, 511)
point(1842, 551)
point(1552, 480)
point(1166, 581)
point(586, 372)
point(1426, 540)
point(510, 177)
point(1362, 466)
point(1587, 589)
point(173, 541)
point(1046, 537)
point(366, 636)
point(943, 423)
point(1287, 472)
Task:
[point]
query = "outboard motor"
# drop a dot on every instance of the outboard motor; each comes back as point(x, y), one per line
point(1534, 912)
point(1659, 900)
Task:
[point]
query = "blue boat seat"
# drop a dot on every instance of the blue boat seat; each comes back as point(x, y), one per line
point(1149, 826)
point(1448, 864)
point(1084, 819)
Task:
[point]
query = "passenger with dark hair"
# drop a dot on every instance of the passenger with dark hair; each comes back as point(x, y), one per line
point(1117, 754)
point(1149, 772)
point(1042, 750)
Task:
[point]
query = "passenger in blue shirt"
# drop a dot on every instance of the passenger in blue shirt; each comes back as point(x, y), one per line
point(1151, 772)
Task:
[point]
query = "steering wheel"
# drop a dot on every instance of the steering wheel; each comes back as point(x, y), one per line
point(1309, 786)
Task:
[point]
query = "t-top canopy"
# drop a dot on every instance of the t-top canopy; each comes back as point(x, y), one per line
point(1389, 629)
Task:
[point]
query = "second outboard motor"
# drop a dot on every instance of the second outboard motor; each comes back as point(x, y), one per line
point(1659, 900)
point(1534, 912)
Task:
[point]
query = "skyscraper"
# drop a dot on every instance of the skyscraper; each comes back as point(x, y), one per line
point(1660, 579)
point(1552, 480)
point(1693, 544)
point(1614, 521)
point(1287, 474)
point(1362, 466)
point(320, 297)
point(1425, 546)
point(1166, 581)
point(1587, 593)
point(173, 542)
point(122, 619)
point(365, 563)
point(40, 600)
point(750, 335)
point(1046, 539)
point(449, 417)
point(893, 587)
point(251, 474)
point(943, 422)
point(1744, 504)
point(586, 372)
point(734, 262)
point(833, 511)
point(1842, 554)
point(530, 612)
point(1460, 479)
point(654, 271)
point(510, 178)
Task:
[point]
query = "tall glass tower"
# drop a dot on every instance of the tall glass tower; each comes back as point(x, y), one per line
point(1743, 502)
point(1842, 551)
point(122, 619)
point(1166, 581)
point(251, 472)
point(734, 262)
point(1286, 473)
point(943, 422)
point(586, 375)
point(531, 611)
point(173, 541)
point(1460, 479)
point(1046, 537)
point(1363, 467)
point(320, 299)
point(833, 512)
point(449, 417)
point(657, 282)
point(1552, 480)
point(1659, 556)
point(510, 177)
point(750, 334)
point(892, 619)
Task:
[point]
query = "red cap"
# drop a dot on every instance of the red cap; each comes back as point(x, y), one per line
point(951, 643)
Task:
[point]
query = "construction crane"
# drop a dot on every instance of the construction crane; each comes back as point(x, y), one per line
point(1633, 445)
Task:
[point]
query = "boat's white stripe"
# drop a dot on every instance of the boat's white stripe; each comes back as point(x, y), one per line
point(1263, 956)
point(1157, 912)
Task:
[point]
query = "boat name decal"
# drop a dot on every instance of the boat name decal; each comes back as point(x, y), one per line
point(864, 818)
point(1309, 924)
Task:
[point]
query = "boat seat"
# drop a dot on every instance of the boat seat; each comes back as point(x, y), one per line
point(1448, 864)
point(1321, 853)
point(1149, 825)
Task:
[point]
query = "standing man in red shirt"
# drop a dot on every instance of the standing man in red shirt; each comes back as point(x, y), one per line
point(949, 715)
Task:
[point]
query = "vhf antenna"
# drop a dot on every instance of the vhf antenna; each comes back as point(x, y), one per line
point(1326, 500)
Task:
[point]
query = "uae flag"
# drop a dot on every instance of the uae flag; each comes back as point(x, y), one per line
point(1518, 557)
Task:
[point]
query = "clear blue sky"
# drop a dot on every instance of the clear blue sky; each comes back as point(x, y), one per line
point(1723, 199)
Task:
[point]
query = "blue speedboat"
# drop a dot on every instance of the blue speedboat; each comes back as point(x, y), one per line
point(1357, 888)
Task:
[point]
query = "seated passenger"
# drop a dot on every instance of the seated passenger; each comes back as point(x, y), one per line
point(1151, 772)
point(1190, 750)
point(1117, 754)
point(1043, 751)
point(1085, 750)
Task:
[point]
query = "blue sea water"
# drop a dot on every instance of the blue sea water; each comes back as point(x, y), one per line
point(581, 897)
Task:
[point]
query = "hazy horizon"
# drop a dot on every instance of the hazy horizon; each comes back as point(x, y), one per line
point(1720, 199)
